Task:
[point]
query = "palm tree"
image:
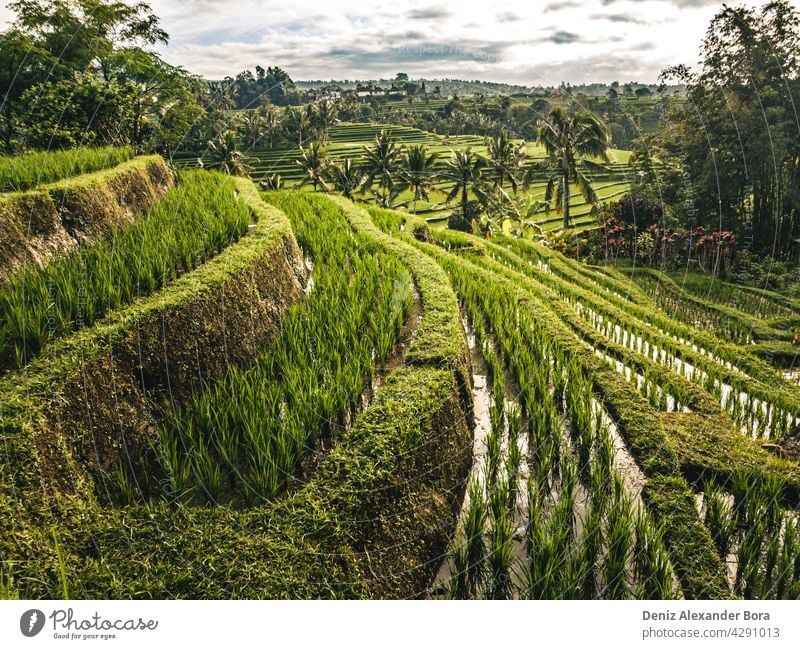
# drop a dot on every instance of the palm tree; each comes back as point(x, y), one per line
point(417, 171)
point(252, 125)
point(380, 163)
point(271, 123)
point(297, 124)
point(346, 177)
point(313, 161)
point(272, 182)
point(566, 139)
point(225, 155)
point(506, 158)
point(325, 117)
point(465, 169)
point(223, 93)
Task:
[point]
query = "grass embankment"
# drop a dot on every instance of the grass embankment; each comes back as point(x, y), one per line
point(372, 520)
point(194, 221)
point(55, 219)
point(84, 408)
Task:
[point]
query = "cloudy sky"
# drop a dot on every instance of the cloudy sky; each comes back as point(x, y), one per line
point(528, 41)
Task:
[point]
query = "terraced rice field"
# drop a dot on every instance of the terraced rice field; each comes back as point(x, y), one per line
point(297, 396)
point(347, 141)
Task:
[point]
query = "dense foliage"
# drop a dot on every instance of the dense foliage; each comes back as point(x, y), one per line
point(734, 149)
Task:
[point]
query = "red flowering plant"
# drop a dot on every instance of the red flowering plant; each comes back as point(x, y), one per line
point(714, 251)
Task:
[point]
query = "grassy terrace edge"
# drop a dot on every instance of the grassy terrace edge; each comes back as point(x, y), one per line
point(373, 520)
point(73, 414)
point(55, 218)
point(647, 432)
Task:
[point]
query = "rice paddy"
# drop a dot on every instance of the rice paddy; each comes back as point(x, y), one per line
point(195, 221)
point(20, 173)
point(302, 396)
point(347, 140)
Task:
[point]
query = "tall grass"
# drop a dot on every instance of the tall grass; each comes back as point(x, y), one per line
point(23, 172)
point(196, 220)
point(241, 439)
point(584, 535)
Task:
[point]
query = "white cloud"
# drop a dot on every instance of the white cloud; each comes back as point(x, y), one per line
point(573, 40)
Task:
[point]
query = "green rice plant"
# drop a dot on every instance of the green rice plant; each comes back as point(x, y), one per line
point(7, 589)
point(513, 463)
point(494, 447)
point(651, 561)
point(195, 220)
point(576, 568)
point(591, 543)
point(748, 580)
point(568, 494)
point(206, 470)
point(618, 547)
point(719, 519)
point(544, 562)
point(29, 170)
point(250, 430)
point(62, 566)
point(499, 554)
point(474, 567)
point(771, 558)
point(124, 486)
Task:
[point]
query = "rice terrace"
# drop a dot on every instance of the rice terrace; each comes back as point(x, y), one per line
point(402, 337)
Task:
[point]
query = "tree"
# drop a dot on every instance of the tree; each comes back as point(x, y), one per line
point(324, 117)
point(103, 49)
point(381, 166)
point(77, 112)
point(271, 122)
point(566, 139)
point(251, 124)
point(465, 171)
point(505, 158)
point(312, 161)
point(22, 63)
point(223, 94)
point(272, 84)
point(417, 171)
point(297, 124)
point(345, 177)
point(84, 34)
point(746, 177)
point(158, 92)
point(225, 155)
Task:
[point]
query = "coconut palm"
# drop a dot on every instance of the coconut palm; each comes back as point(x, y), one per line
point(313, 161)
point(225, 155)
point(272, 182)
point(271, 123)
point(297, 124)
point(567, 139)
point(223, 94)
point(325, 117)
point(417, 171)
point(381, 166)
point(345, 177)
point(505, 158)
point(252, 127)
point(465, 170)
